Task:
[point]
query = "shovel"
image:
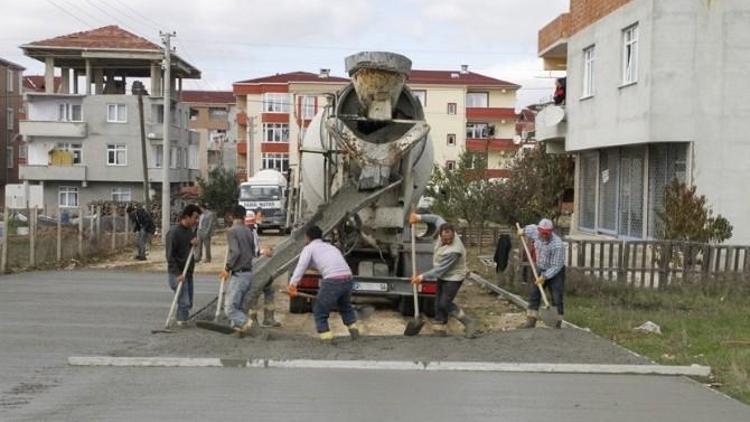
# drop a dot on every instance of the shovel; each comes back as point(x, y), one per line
point(178, 290)
point(220, 298)
point(549, 315)
point(414, 326)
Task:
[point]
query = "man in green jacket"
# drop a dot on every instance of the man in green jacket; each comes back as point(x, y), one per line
point(449, 269)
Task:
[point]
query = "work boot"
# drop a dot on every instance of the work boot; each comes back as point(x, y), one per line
point(530, 323)
point(268, 319)
point(558, 321)
point(470, 325)
point(254, 327)
point(439, 329)
point(326, 336)
point(245, 328)
point(353, 330)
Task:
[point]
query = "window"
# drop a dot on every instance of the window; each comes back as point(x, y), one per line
point(118, 113)
point(275, 103)
point(477, 130)
point(587, 187)
point(22, 153)
point(69, 113)
point(193, 113)
point(478, 99)
point(117, 155)
point(158, 154)
point(630, 55)
point(451, 139)
point(308, 106)
point(9, 159)
point(278, 161)
point(421, 95)
point(275, 132)
point(9, 79)
point(588, 71)
point(67, 197)
point(72, 148)
point(450, 165)
point(452, 108)
point(10, 118)
point(173, 157)
point(215, 113)
point(157, 113)
point(121, 194)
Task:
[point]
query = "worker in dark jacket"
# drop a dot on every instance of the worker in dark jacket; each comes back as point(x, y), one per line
point(450, 270)
point(143, 226)
point(180, 241)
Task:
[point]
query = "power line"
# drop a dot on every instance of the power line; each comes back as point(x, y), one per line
point(62, 9)
point(105, 12)
point(83, 11)
point(146, 19)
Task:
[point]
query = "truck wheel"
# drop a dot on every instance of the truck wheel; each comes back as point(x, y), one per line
point(427, 306)
point(300, 305)
point(406, 306)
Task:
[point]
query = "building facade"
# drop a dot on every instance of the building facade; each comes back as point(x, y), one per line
point(655, 91)
point(11, 104)
point(83, 135)
point(465, 110)
point(213, 116)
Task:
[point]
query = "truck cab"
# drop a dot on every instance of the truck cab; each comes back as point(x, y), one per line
point(266, 193)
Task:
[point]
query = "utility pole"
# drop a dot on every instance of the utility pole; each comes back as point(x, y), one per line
point(250, 146)
point(166, 210)
point(146, 189)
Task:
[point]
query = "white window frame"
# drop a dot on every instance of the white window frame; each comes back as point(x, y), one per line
point(421, 95)
point(220, 110)
point(630, 55)
point(449, 137)
point(172, 157)
point(589, 79)
point(308, 106)
point(158, 152)
point(117, 148)
point(477, 130)
point(471, 100)
point(67, 192)
point(73, 147)
point(275, 160)
point(450, 165)
point(10, 115)
point(120, 194)
point(120, 113)
point(65, 112)
point(9, 79)
point(275, 102)
point(276, 132)
point(9, 159)
point(452, 109)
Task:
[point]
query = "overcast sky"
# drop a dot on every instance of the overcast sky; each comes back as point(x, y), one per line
point(232, 40)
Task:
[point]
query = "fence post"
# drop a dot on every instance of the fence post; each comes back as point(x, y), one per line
point(112, 211)
point(127, 229)
point(32, 237)
point(59, 235)
point(625, 262)
point(6, 238)
point(98, 224)
point(80, 232)
point(666, 258)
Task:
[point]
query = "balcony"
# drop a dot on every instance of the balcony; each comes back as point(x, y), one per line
point(52, 129)
point(490, 113)
point(490, 144)
point(553, 42)
point(74, 173)
point(497, 173)
point(551, 124)
point(175, 175)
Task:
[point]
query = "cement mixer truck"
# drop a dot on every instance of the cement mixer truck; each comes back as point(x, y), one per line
point(365, 161)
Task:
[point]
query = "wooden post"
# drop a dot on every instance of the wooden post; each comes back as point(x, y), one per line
point(6, 238)
point(80, 232)
point(113, 212)
point(59, 235)
point(98, 223)
point(127, 229)
point(32, 236)
point(625, 262)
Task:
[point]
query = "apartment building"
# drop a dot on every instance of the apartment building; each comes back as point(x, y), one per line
point(213, 116)
point(11, 104)
point(656, 90)
point(465, 110)
point(83, 135)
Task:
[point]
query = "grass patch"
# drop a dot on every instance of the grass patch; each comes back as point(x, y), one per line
point(705, 322)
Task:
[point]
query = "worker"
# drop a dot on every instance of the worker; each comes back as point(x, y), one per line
point(449, 270)
point(179, 243)
point(241, 252)
point(550, 264)
point(206, 226)
point(143, 226)
point(269, 311)
point(335, 285)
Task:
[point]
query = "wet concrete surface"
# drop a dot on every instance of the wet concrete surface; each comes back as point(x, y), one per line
point(46, 317)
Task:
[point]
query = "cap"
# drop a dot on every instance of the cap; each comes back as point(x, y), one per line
point(545, 225)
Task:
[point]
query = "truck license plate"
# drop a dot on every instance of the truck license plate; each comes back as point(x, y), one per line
point(370, 287)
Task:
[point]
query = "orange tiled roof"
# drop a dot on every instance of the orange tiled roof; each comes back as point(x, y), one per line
point(111, 36)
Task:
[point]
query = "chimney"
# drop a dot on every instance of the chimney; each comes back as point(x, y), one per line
point(464, 69)
point(324, 73)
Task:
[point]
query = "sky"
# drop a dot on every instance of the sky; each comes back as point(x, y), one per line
point(232, 40)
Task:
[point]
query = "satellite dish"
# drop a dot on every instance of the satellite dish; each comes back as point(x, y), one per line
point(550, 116)
point(517, 139)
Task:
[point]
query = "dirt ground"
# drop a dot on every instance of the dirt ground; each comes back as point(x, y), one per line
point(493, 314)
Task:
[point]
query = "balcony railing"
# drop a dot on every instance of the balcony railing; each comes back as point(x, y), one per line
point(490, 144)
point(490, 113)
point(75, 173)
point(554, 32)
point(54, 129)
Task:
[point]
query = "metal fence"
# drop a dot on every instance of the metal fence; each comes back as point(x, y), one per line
point(32, 239)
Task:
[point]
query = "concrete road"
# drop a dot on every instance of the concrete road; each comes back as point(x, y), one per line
point(46, 317)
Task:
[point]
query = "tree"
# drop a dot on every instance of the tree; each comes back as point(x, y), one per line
point(687, 216)
point(536, 188)
point(463, 192)
point(220, 191)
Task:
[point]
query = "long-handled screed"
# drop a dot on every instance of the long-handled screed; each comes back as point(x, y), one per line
point(220, 297)
point(414, 326)
point(549, 316)
point(178, 290)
